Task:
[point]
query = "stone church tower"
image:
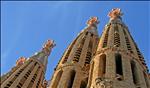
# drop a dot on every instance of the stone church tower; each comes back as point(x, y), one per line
point(111, 61)
point(114, 59)
point(73, 69)
point(29, 73)
point(118, 63)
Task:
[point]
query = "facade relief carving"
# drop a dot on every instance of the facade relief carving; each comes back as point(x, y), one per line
point(103, 82)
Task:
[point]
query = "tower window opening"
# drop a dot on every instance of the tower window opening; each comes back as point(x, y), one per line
point(88, 58)
point(20, 84)
point(134, 72)
point(25, 77)
point(78, 51)
point(77, 55)
point(102, 65)
point(116, 36)
point(106, 38)
point(89, 54)
point(119, 71)
point(128, 44)
point(84, 83)
point(71, 79)
point(116, 39)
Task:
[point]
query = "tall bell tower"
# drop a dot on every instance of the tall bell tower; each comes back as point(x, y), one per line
point(73, 68)
point(29, 73)
point(118, 63)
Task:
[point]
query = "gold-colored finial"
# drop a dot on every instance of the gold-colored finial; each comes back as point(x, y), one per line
point(93, 21)
point(115, 13)
point(20, 61)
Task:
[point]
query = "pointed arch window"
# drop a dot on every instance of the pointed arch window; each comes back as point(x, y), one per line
point(71, 79)
point(119, 70)
point(102, 65)
point(134, 72)
point(84, 83)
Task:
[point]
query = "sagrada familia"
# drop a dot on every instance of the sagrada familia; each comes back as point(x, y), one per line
point(112, 60)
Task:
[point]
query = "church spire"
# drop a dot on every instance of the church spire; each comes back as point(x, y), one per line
point(29, 73)
point(118, 63)
point(42, 56)
point(73, 68)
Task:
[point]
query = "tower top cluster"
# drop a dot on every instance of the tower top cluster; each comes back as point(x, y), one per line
point(92, 21)
point(115, 13)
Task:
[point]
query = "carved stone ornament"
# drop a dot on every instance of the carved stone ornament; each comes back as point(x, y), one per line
point(115, 13)
point(48, 46)
point(93, 21)
point(20, 61)
point(103, 83)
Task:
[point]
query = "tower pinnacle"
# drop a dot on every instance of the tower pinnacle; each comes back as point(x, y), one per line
point(20, 61)
point(115, 13)
point(48, 46)
point(75, 62)
point(92, 21)
point(29, 73)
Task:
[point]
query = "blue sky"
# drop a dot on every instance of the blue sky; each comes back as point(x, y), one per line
point(25, 26)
